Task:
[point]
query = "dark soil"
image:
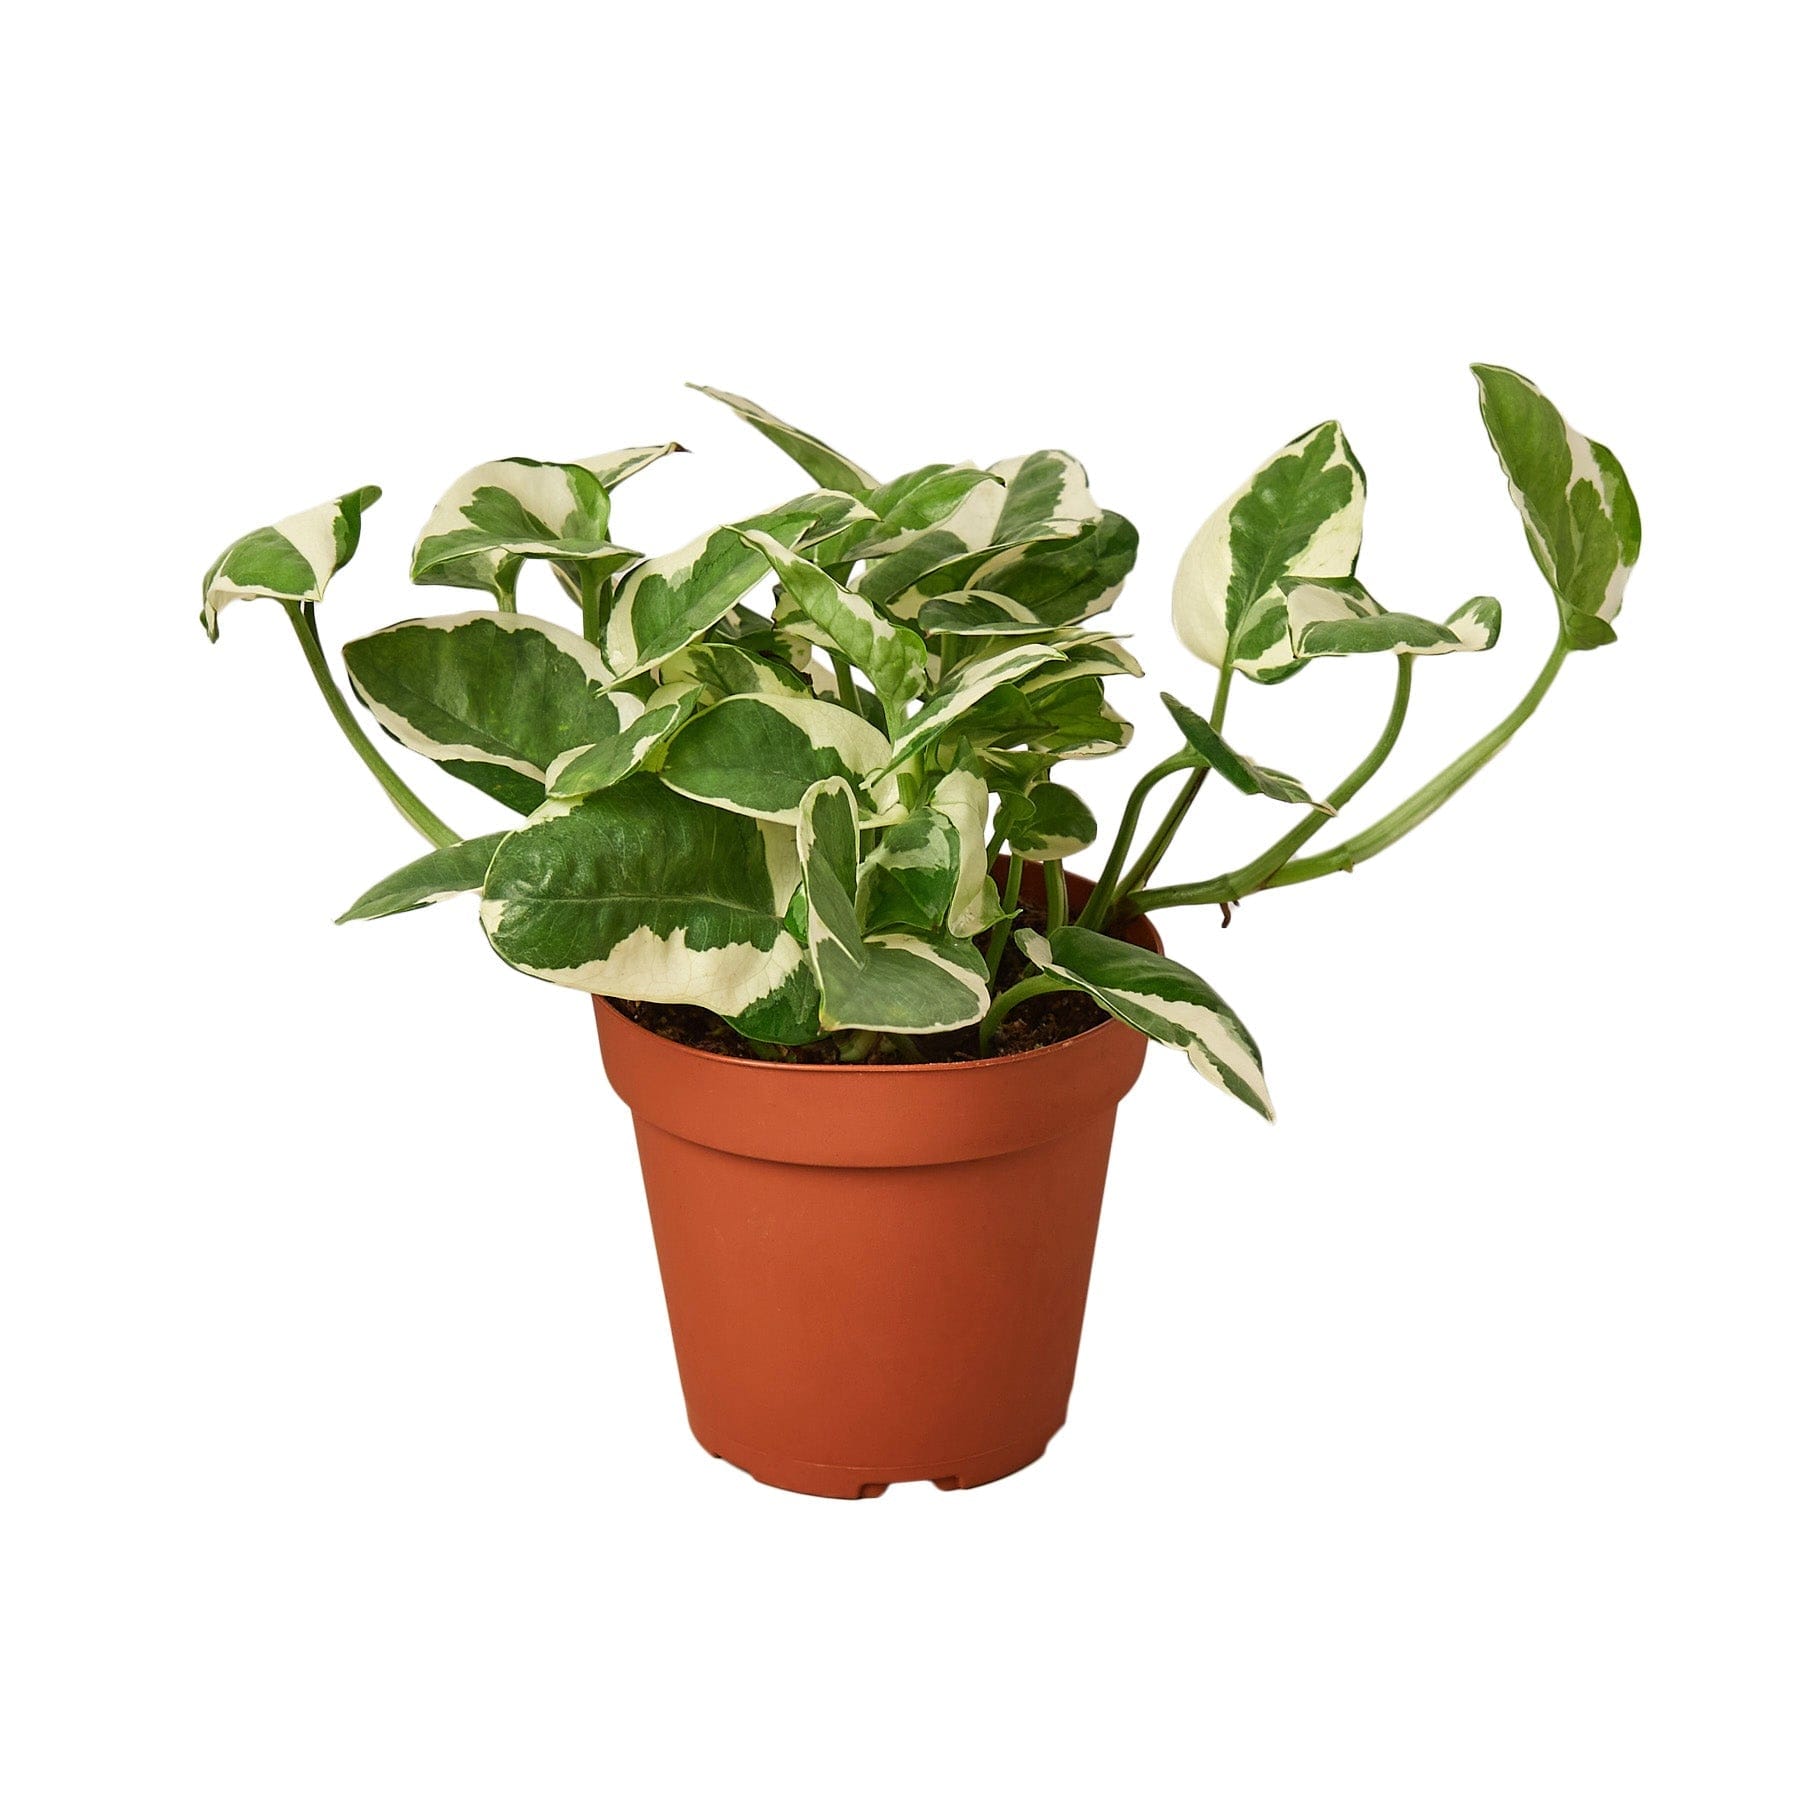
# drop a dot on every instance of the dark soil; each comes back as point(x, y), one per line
point(1029, 1026)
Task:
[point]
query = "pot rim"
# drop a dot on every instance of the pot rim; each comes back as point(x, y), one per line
point(1010, 1059)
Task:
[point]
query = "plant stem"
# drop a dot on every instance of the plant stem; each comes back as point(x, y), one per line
point(1100, 900)
point(1420, 806)
point(1261, 871)
point(1056, 895)
point(857, 1046)
point(1164, 835)
point(1017, 994)
point(1015, 875)
point(416, 812)
point(591, 622)
point(847, 695)
point(906, 1048)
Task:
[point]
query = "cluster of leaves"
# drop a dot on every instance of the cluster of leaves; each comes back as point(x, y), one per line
point(793, 811)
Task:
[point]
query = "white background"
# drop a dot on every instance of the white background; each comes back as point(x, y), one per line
point(1440, 1441)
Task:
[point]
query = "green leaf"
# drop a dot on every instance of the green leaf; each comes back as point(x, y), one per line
point(965, 687)
point(730, 669)
point(929, 872)
point(1212, 752)
point(1300, 513)
point(760, 753)
point(892, 657)
point(501, 513)
point(587, 768)
point(292, 560)
point(892, 981)
point(1161, 999)
point(1072, 719)
point(1581, 518)
point(1054, 823)
point(455, 869)
point(641, 894)
point(494, 697)
point(924, 497)
point(1342, 618)
point(818, 459)
point(664, 604)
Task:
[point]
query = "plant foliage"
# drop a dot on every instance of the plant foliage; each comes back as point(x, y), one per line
point(793, 771)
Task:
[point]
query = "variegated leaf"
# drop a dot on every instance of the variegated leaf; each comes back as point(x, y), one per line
point(1046, 496)
point(906, 506)
point(964, 688)
point(291, 560)
point(1300, 513)
point(929, 872)
point(818, 459)
point(501, 513)
point(1342, 618)
point(664, 604)
point(1163, 1000)
point(641, 894)
point(587, 768)
point(1055, 822)
point(759, 754)
point(610, 467)
point(455, 869)
point(1581, 518)
point(909, 562)
point(1031, 588)
point(961, 800)
point(727, 668)
point(1210, 751)
point(1073, 719)
point(892, 981)
point(975, 613)
point(494, 697)
point(892, 657)
point(1084, 653)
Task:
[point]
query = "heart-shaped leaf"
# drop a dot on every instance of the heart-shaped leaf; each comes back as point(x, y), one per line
point(760, 753)
point(291, 560)
point(639, 893)
point(494, 697)
point(892, 981)
point(1581, 518)
point(1300, 513)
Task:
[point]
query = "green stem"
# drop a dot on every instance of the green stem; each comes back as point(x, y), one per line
point(1009, 901)
point(1016, 995)
point(857, 1046)
point(1164, 835)
point(1261, 872)
point(1419, 807)
point(1100, 900)
point(907, 1049)
point(1056, 895)
point(847, 695)
point(417, 813)
point(591, 621)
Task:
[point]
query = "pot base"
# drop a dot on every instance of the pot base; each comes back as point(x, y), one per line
point(829, 1481)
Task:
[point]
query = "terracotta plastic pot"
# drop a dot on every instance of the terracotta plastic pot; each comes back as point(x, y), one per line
point(875, 1274)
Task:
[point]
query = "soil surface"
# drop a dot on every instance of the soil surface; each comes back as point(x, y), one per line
point(1032, 1025)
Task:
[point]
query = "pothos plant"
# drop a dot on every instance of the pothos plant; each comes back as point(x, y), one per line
point(812, 817)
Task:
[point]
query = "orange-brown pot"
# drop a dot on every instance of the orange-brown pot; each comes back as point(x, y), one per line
point(874, 1274)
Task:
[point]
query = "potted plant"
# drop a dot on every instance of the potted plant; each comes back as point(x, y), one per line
point(808, 856)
